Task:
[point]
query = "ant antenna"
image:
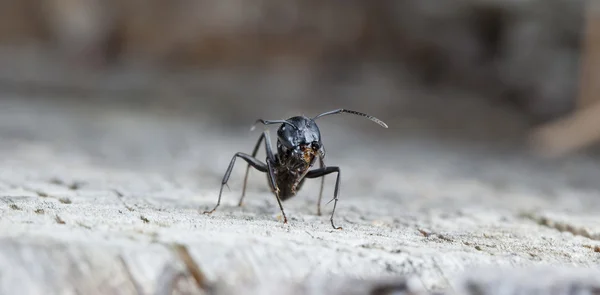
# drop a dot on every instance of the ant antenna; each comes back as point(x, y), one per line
point(338, 111)
point(269, 122)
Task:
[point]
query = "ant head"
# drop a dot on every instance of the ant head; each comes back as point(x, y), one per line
point(300, 138)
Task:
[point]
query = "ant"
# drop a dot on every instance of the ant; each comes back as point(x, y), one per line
point(298, 147)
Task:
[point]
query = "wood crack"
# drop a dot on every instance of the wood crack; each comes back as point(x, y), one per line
point(560, 226)
point(191, 266)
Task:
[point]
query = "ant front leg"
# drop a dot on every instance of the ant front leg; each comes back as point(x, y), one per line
point(258, 165)
point(321, 172)
point(271, 173)
point(267, 139)
point(321, 165)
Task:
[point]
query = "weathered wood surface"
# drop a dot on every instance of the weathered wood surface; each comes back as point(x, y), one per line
point(95, 200)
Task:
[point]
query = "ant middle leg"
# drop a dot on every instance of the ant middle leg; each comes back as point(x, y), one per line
point(258, 165)
point(267, 139)
point(321, 172)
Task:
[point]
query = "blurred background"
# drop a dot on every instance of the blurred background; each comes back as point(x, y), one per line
point(483, 70)
point(144, 102)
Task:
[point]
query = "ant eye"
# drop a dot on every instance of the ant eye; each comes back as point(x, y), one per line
point(315, 145)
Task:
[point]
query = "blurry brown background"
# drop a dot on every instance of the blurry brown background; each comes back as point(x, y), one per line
point(476, 68)
point(118, 119)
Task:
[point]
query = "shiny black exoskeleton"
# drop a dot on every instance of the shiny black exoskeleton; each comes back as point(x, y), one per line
point(298, 148)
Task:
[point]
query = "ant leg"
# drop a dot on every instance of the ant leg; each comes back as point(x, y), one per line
point(275, 188)
point(258, 165)
point(266, 137)
point(321, 172)
point(321, 165)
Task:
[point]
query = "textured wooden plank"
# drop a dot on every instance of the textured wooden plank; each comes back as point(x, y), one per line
point(93, 199)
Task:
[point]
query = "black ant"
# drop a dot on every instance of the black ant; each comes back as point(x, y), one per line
point(298, 146)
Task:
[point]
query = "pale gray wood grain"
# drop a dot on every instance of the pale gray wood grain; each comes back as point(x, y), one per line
point(413, 209)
